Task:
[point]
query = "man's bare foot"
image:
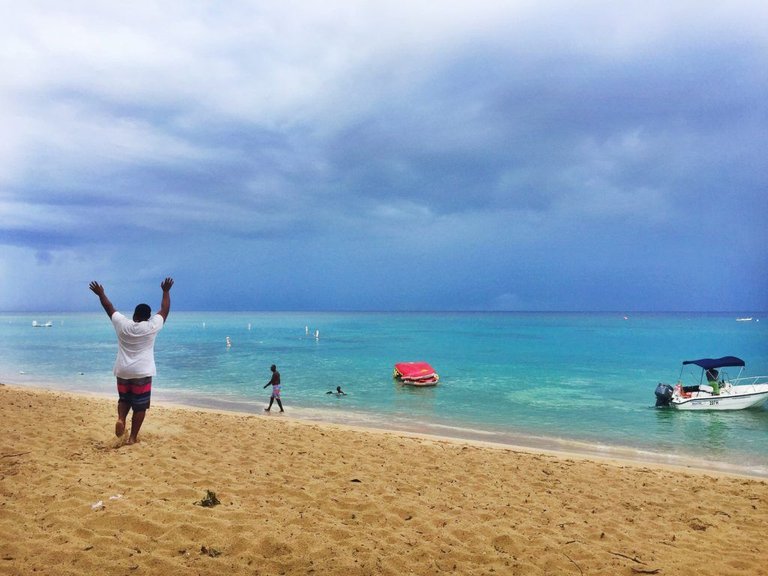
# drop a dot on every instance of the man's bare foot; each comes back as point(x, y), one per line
point(132, 441)
point(266, 409)
point(119, 428)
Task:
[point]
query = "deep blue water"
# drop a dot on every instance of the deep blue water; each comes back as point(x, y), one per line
point(564, 381)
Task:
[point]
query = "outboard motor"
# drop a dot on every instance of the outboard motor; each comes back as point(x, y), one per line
point(663, 394)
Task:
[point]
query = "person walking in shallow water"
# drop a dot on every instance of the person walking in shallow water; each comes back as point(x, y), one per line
point(275, 382)
point(135, 362)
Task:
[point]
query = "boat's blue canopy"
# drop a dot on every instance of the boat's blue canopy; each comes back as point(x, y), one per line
point(723, 362)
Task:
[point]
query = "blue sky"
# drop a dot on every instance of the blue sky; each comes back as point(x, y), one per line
point(378, 155)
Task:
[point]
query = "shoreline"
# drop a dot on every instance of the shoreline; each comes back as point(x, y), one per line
point(553, 393)
point(552, 446)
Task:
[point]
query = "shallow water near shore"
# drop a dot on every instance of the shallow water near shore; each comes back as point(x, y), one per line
point(579, 382)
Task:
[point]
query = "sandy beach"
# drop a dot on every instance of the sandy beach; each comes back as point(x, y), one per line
point(305, 498)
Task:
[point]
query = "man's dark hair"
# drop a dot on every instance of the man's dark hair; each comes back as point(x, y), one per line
point(142, 312)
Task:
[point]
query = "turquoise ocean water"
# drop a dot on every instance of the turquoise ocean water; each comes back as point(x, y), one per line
point(579, 381)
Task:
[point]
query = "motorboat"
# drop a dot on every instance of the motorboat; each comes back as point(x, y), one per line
point(715, 390)
point(415, 374)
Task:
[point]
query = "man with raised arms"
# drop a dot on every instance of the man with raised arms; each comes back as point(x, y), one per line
point(135, 362)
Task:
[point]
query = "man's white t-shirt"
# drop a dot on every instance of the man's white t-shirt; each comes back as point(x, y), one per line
point(136, 345)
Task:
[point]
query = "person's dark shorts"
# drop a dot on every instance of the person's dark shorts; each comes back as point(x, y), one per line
point(135, 391)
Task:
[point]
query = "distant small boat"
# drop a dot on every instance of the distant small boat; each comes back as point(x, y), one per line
point(749, 319)
point(36, 324)
point(415, 374)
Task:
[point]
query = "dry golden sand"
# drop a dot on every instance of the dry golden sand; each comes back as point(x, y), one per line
point(301, 498)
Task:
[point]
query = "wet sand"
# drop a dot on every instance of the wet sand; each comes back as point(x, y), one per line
point(308, 498)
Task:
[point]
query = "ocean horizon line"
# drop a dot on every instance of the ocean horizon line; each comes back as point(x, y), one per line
point(361, 311)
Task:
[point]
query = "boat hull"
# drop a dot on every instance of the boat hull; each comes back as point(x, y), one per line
point(738, 398)
point(419, 383)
